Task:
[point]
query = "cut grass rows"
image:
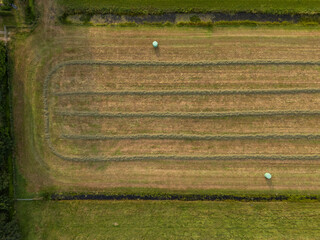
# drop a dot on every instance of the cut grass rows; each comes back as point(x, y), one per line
point(183, 115)
point(193, 137)
point(215, 126)
point(182, 64)
point(201, 115)
point(190, 92)
point(156, 78)
point(184, 158)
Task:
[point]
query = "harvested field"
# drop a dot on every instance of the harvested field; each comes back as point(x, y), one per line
point(100, 114)
point(249, 97)
point(188, 103)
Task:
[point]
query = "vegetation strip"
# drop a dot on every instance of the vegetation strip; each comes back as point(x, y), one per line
point(147, 7)
point(195, 115)
point(209, 19)
point(192, 137)
point(189, 92)
point(9, 228)
point(55, 69)
point(188, 197)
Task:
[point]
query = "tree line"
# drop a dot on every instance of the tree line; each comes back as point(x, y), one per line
point(8, 224)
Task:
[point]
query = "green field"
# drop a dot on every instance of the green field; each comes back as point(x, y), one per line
point(272, 6)
point(168, 220)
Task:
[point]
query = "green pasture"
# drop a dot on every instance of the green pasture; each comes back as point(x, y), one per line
point(168, 220)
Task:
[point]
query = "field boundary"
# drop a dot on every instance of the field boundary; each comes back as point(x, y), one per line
point(193, 115)
point(188, 197)
point(177, 64)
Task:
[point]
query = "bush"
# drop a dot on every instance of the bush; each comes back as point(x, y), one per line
point(9, 229)
point(195, 18)
point(85, 18)
point(6, 5)
point(29, 15)
point(195, 24)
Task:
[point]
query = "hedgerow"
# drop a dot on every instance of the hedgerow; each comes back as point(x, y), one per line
point(247, 197)
point(6, 5)
point(182, 115)
point(134, 11)
point(148, 10)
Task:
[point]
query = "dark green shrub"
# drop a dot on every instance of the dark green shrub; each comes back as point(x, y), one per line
point(8, 226)
point(29, 15)
point(195, 19)
point(243, 197)
point(85, 18)
point(195, 24)
point(9, 229)
point(6, 5)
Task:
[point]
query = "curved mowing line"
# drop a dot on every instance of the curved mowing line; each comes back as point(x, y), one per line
point(189, 92)
point(177, 64)
point(191, 137)
point(200, 115)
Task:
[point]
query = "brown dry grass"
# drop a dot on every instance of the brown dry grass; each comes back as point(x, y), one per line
point(185, 147)
point(188, 103)
point(42, 169)
point(194, 46)
point(95, 78)
point(232, 175)
point(262, 125)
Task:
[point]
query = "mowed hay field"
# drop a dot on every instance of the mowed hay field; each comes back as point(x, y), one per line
point(83, 118)
point(101, 113)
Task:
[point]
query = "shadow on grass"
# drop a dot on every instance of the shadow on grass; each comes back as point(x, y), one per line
point(269, 183)
point(157, 51)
